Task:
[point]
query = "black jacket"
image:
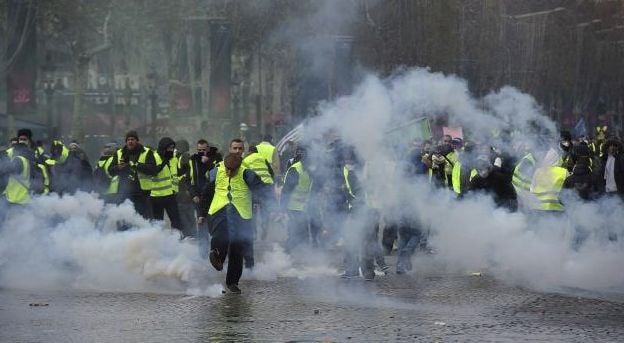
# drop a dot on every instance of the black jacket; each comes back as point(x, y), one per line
point(128, 179)
point(618, 173)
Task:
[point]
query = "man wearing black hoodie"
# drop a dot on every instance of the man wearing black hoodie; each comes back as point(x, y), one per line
point(135, 165)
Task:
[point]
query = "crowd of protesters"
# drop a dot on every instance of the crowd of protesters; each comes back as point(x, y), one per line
point(224, 200)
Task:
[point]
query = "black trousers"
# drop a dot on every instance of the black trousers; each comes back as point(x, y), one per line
point(141, 202)
point(231, 238)
point(169, 204)
point(187, 219)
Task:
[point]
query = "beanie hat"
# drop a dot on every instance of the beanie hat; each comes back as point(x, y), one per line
point(132, 133)
point(24, 132)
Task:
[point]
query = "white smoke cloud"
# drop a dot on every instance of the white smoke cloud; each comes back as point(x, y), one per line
point(525, 249)
point(73, 243)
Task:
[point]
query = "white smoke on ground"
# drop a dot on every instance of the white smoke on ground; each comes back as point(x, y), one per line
point(72, 242)
point(521, 248)
point(277, 263)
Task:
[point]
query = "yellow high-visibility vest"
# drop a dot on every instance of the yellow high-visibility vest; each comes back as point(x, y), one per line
point(299, 197)
point(162, 183)
point(17, 190)
point(231, 190)
point(145, 181)
point(546, 187)
point(266, 150)
point(258, 164)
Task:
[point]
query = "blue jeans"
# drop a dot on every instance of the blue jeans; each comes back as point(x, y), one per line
point(409, 239)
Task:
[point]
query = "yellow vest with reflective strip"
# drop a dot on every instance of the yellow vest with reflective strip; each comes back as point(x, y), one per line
point(519, 180)
point(231, 190)
point(299, 197)
point(145, 181)
point(547, 185)
point(46, 178)
point(266, 150)
point(113, 185)
point(457, 168)
point(345, 173)
point(456, 176)
point(162, 183)
point(18, 186)
point(173, 167)
point(258, 164)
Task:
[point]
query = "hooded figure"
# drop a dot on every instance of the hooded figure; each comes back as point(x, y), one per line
point(163, 144)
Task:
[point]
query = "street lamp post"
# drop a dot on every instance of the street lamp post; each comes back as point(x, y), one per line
point(49, 88)
point(153, 96)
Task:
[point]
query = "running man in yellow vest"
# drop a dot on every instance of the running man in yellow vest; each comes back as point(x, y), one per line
point(227, 201)
point(163, 191)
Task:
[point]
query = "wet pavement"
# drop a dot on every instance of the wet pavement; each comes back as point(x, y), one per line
point(424, 306)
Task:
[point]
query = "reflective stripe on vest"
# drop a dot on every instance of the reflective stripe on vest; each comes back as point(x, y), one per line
point(519, 180)
point(345, 173)
point(113, 187)
point(173, 168)
point(231, 190)
point(457, 177)
point(162, 183)
point(145, 181)
point(299, 197)
point(18, 186)
point(258, 164)
point(46, 178)
point(266, 150)
point(548, 182)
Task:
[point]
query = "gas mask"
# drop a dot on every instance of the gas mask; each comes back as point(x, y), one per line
point(565, 145)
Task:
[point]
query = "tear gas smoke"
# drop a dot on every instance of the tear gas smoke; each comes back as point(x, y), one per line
point(524, 249)
point(72, 242)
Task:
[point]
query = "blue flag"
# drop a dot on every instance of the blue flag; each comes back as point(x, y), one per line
point(580, 129)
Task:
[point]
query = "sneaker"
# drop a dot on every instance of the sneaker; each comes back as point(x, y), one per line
point(214, 259)
point(349, 275)
point(369, 276)
point(385, 269)
point(234, 289)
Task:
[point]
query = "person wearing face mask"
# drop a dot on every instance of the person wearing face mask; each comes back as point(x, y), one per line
point(162, 193)
point(566, 147)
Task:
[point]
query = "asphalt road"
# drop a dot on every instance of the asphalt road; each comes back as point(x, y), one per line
point(426, 305)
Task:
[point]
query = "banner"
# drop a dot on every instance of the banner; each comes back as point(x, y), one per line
point(22, 58)
point(220, 69)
